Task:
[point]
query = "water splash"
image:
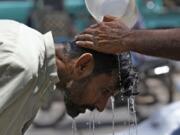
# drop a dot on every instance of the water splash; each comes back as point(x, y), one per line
point(119, 75)
point(113, 115)
point(128, 83)
point(132, 116)
point(74, 127)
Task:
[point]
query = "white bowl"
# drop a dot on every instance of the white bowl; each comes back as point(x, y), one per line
point(123, 9)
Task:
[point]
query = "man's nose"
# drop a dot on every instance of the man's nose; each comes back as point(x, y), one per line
point(101, 104)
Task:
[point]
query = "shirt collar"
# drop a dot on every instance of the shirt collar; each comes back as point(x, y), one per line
point(50, 57)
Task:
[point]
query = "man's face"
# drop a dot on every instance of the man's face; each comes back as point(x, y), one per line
point(90, 93)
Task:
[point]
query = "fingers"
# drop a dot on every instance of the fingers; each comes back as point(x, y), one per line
point(104, 43)
point(112, 23)
point(109, 18)
point(89, 31)
point(94, 25)
point(84, 37)
point(85, 44)
point(85, 40)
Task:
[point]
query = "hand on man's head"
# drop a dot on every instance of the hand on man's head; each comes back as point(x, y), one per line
point(108, 36)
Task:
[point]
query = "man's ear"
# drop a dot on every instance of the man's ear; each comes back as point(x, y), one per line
point(84, 66)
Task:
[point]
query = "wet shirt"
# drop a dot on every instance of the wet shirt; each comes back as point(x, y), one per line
point(27, 75)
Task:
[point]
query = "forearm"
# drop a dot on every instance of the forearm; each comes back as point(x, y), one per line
point(161, 43)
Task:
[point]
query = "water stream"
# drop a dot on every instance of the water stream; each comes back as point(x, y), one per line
point(113, 115)
point(132, 116)
point(74, 128)
point(93, 124)
point(127, 72)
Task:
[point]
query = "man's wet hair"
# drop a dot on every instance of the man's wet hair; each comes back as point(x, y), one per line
point(104, 63)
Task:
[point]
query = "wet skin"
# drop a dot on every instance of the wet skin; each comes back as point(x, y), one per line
point(84, 86)
point(90, 93)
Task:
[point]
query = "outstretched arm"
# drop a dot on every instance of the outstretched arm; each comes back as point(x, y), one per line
point(112, 36)
point(161, 43)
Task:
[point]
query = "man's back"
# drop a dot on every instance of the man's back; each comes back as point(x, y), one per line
point(24, 79)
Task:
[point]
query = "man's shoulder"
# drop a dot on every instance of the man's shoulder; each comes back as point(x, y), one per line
point(8, 21)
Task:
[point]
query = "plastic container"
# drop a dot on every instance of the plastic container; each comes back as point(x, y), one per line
point(123, 9)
